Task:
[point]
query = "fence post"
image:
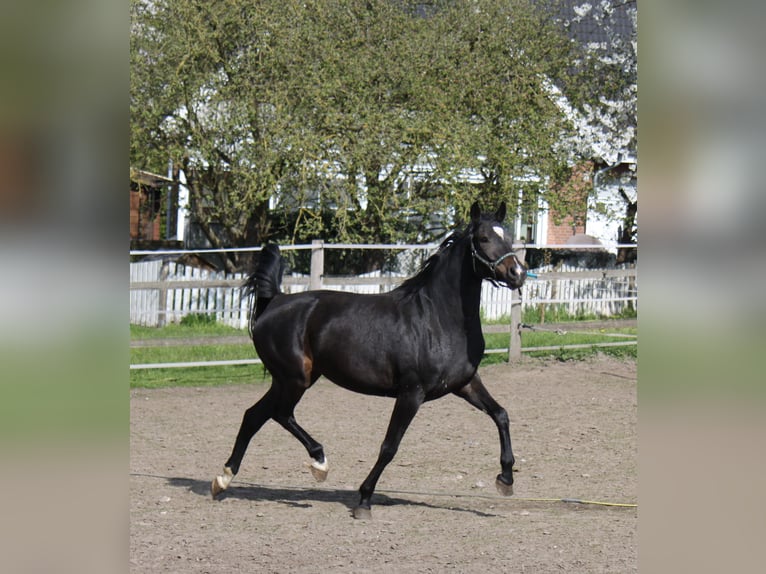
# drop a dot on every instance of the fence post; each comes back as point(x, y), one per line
point(514, 342)
point(514, 347)
point(162, 308)
point(317, 264)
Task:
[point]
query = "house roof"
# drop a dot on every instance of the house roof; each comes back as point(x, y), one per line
point(148, 178)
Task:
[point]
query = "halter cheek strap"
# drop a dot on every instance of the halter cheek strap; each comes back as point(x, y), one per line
point(492, 265)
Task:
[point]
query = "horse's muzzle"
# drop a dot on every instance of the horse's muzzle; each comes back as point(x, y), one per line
point(514, 273)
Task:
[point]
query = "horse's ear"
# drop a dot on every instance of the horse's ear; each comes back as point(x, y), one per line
point(500, 213)
point(475, 212)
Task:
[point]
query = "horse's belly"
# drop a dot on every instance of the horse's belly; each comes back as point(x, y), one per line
point(365, 387)
point(385, 372)
point(356, 372)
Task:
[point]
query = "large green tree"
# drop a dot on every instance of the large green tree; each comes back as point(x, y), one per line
point(359, 120)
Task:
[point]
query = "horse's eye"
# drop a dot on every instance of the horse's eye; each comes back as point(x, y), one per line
point(484, 239)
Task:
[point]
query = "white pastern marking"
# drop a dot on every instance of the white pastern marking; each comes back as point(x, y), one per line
point(320, 465)
point(499, 230)
point(224, 479)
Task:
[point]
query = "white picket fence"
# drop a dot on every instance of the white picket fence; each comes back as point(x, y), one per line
point(145, 308)
point(601, 292)
point(605, 295)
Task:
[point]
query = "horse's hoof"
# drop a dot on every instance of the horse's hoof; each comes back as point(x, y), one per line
point(503, 488)
point(221, 482)
point(319, 475)
point(216, 488)
point(319, 470)
point(362, 513)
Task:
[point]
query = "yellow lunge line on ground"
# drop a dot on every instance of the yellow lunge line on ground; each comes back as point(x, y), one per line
point(467, 495)
point(422, 493)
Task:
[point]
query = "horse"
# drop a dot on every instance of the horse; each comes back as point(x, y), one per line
point(416, 343)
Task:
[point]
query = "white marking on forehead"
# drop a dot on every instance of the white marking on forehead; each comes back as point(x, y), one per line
point(499, 231)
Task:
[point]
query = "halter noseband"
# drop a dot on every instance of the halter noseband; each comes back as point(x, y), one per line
point(492, 265)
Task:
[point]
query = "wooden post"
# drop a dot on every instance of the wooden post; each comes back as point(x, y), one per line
point(162, 310)
point(317, 264)
point(514, 347)
point(514, 343)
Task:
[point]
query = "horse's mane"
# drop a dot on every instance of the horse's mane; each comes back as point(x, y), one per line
point(265, 280)
point(422, 277)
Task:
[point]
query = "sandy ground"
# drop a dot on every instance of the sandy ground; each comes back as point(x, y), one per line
point(574, 432)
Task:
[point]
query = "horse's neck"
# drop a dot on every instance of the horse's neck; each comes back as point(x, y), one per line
point(455, 287)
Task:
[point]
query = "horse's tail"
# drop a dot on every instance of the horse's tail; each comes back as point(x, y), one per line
point(265, 282)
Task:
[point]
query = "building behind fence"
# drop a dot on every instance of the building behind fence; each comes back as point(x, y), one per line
point(164, 292)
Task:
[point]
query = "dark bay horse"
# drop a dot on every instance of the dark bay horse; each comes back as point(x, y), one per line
point(416, 343)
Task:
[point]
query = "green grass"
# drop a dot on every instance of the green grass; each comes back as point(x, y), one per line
point(180, 331)
point(548, 339)
point(198, 376)
point(195, 376)
point(559, 313)
point(182, 354)
point(191, 327)
point(242, 374)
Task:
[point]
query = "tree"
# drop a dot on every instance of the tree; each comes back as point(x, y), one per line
point(358, 121)
point(609, 77)
point(602, 99)
point(508, 54)
point(206, 93)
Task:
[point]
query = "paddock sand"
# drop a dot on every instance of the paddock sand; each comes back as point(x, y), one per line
point(574, 432)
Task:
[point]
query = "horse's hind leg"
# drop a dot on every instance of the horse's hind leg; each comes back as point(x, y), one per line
point(278, 403)
point(477, 394)
point(252, 421)
point(285, 416)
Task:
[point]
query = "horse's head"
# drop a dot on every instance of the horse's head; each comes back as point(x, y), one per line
point(492, 249)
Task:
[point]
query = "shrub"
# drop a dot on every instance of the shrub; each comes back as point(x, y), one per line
point(198, 319)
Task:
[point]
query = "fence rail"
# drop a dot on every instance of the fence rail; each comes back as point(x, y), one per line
point(163, 291)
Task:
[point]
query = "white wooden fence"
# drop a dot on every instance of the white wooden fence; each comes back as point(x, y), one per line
point(602, 292)
point(165, 299)
point(164, 292)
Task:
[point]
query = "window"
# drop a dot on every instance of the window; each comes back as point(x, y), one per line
point(526, 223)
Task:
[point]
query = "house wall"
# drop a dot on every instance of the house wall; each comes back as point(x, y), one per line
point(605, 214)
point(140, 226)
point(573, 193)
point(602, 212)
point(558, 234)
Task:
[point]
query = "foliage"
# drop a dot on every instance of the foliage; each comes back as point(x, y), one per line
point(359, 121)
point(602, 102)
point(605, 94)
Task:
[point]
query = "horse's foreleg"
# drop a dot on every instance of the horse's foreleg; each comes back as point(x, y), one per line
point(252, 421)
point(405, 409)
point(477, 394)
